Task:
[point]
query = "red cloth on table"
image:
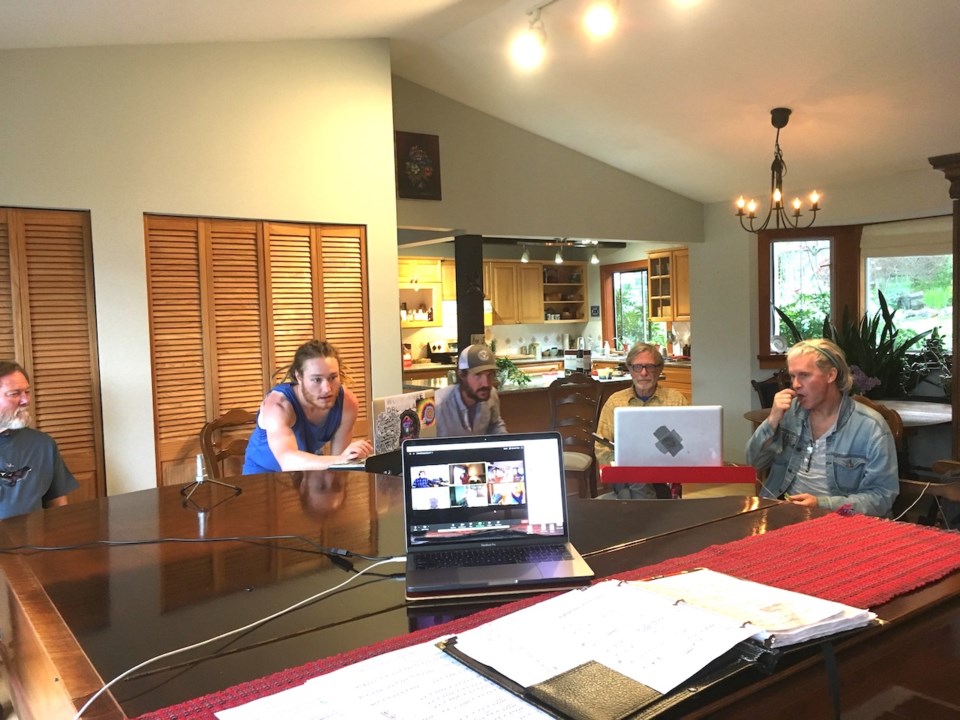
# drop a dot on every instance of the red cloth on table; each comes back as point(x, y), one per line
point(852, 559)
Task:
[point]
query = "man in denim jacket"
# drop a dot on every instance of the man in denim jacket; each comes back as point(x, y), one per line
point(821, 447)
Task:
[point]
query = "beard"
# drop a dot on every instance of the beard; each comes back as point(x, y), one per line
point(16, 420)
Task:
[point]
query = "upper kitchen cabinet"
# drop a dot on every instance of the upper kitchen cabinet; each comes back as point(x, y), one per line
point(417, 270)
point(421, 292)
point(448, 274)
point(565, 292)
point(515, 291)
point(669, 285)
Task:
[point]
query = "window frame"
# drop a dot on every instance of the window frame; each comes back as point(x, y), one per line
point(606, 293)
point(845, 279)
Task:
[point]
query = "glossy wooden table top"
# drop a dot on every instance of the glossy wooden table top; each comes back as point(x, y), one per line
point(128, 602)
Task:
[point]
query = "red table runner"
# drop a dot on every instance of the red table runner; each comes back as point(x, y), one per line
point(852, 559)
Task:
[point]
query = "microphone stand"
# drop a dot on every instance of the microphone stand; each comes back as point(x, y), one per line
point(204, 479)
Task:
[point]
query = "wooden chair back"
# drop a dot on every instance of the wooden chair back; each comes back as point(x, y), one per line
point(223, 442)
point(766, 389)
point(574, 409)
point(890, 415)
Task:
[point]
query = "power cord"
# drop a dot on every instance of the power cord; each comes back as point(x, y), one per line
point(235, 631)
point(263, 540)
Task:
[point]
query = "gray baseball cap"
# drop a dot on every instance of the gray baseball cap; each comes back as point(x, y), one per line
point(477, 359)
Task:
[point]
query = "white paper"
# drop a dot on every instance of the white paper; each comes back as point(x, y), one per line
point(636, 632)
point(789, 617)
point(420, 682)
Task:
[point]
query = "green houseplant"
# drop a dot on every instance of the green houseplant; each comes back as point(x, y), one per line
point(508, 372)
point(879, 359)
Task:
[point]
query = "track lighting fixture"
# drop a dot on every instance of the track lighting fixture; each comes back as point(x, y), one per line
point(528, 48)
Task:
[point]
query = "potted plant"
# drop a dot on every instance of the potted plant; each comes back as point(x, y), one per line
point(879, 359)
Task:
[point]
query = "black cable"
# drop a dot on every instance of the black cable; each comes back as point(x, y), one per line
point(252, 539)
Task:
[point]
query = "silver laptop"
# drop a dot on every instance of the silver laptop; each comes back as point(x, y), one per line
point(470, 500)
point(662, 436)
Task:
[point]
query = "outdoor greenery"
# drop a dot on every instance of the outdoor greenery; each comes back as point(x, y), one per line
point(884, 363)
point(631, 323)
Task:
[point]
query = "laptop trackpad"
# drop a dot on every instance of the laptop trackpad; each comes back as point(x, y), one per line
point(498, 575)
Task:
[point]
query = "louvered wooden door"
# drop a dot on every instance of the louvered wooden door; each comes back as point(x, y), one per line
point(230, 302)
point(48, 324)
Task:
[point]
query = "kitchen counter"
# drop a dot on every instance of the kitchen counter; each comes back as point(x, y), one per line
point(524, 360)
point(537, 382)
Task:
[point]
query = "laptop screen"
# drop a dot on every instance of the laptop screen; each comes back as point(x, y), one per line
point(466, 488)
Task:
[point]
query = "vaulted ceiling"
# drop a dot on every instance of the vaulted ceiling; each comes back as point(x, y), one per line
point(680, 95)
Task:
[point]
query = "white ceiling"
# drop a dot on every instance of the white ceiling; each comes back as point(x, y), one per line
point(679, 96)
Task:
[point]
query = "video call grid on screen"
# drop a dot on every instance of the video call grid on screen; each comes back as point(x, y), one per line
point(462, 488)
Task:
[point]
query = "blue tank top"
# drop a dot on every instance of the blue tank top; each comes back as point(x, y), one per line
point(310, 438)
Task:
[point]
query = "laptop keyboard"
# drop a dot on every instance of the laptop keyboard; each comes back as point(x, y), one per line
point(475, 557)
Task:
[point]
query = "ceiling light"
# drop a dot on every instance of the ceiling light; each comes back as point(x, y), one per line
point(558, 258)
point(594, 258)
point(600, 18)
point(778, 118)
point(525, 257)
point(529, 47)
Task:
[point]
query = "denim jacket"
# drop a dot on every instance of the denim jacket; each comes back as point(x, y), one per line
point(861, 458)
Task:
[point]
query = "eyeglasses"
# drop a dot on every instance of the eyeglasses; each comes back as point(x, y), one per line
point(11, 477)
point(651, 369)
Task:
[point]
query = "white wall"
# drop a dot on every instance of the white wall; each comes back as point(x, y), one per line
point(500, 180)
point(298, 131)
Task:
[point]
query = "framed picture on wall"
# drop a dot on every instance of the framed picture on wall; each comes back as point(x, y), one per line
point(418, 165)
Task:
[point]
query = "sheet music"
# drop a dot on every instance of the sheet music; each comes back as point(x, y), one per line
point(420, 682)
point(789, 617)
point(634, 631)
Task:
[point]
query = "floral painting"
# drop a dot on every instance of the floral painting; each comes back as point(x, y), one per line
point(418, 166)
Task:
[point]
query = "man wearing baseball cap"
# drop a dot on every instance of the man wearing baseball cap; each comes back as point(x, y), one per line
point(471, 407)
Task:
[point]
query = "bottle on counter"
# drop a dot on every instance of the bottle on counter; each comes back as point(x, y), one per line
point(606, 349)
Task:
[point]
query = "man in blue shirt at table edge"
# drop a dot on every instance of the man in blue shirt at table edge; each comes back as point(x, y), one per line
point(33, 475)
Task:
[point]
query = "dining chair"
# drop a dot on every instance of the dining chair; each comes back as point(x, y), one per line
point(895, 423)
point(574, 409)
point(932, 502)
point(223, 442)
point(769, 387)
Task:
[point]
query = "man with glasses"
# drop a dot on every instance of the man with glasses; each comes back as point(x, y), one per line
point(32, 473)
point(645, 363)
point(820, 447)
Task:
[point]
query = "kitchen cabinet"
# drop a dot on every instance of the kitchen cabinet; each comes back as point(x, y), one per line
point(419, 270)
point(448, 275)
point(515, 291)
point(669, 285)
point(565, 292)
point(421, 292)
point(677, 377)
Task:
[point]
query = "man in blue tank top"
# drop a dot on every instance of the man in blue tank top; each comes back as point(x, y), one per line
point(298, 417)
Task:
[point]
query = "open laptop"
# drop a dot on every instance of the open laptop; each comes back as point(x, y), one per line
point(396, 418)
point(657, 436)
point(491, 494)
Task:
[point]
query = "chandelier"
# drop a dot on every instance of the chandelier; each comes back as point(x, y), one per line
point(783, 218)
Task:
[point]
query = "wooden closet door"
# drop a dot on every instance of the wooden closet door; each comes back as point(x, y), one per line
point(48, 314)
point(230, 302)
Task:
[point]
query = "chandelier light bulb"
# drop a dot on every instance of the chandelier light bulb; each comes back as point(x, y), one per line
point(600, 19)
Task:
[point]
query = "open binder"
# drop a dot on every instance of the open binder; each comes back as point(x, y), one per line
point(569, 656)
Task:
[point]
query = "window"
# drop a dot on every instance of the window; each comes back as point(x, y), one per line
point(805, 274)
point(911, 263)
point(626, 305)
